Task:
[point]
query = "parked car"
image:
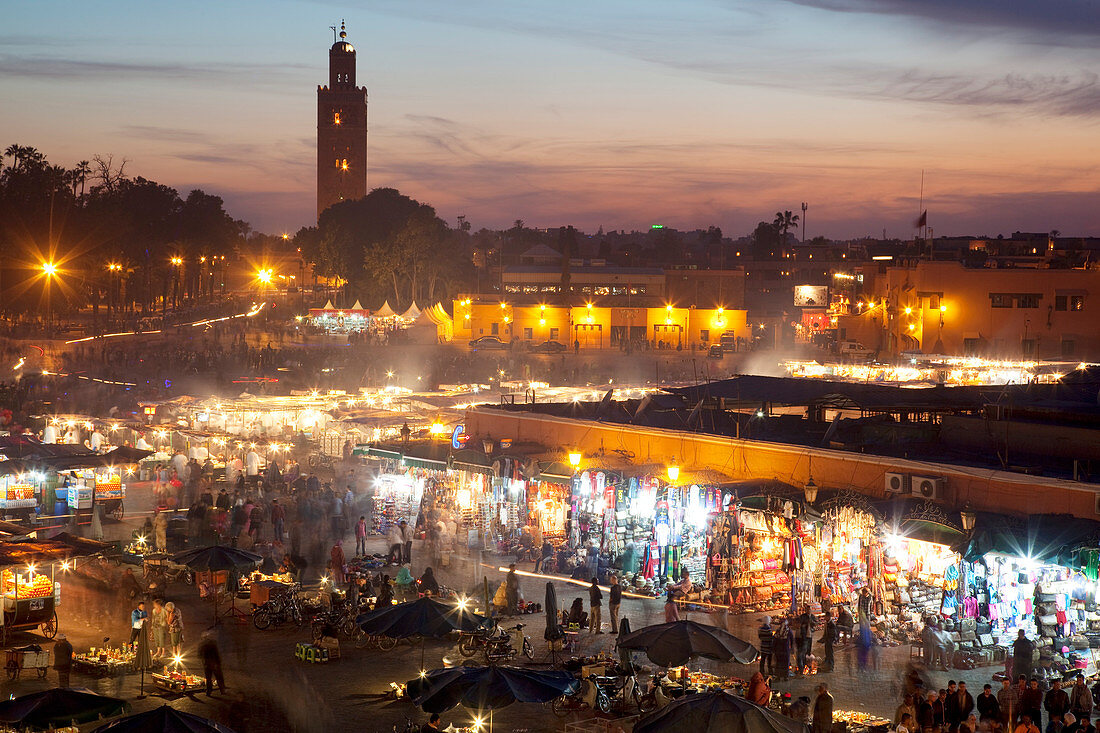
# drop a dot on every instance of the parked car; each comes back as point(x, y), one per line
point(487, 343)
point(548, 347)
point(715, 352)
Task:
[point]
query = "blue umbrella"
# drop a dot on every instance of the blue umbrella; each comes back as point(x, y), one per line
point(424, 617)
point(488, 688)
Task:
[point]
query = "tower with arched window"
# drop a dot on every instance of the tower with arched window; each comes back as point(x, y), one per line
point(341, 129)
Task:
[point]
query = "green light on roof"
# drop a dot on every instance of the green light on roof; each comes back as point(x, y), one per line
point(658, 226)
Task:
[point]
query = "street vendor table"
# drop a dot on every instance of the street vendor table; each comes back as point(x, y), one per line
point(261, 591)
point(855, 721)
point(180, 682)
point(105, 662)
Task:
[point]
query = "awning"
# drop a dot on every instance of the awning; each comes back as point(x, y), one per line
point(1044, 538)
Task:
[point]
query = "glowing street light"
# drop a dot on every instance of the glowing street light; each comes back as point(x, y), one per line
point(264, 275)
point(50, 270)
point(574, 459)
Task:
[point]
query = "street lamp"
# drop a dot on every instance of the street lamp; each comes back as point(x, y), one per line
point(49, 269)
point(969, 518)
point(574, 459)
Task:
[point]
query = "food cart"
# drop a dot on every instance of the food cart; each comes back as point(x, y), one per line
point(110, 492)
point(30, 601)
point(18, 496)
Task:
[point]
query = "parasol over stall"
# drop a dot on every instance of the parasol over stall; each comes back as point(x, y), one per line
point(717, 712)
point(216, 558)
point(675, 643)
point(59, 707)
point(488, 688)
point(164, 719)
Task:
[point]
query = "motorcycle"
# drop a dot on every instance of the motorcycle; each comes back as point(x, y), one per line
point(588, 696)
point(498, 647)
point(622, 688)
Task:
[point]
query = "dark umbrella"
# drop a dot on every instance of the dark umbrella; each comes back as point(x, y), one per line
point(424, 617)
point(144, 658)
point(216, 558)
point(717, 712)
point(675, 643)
point(59, 707)
point(164, 719)
point(625, 656)
point(488, 688)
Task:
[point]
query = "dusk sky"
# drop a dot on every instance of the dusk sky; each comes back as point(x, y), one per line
point(620, 113)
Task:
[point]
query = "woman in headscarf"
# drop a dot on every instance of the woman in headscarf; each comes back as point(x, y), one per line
point(336, 555)
point(428, 584)
point(672, 611)
point(385, 594)
point(406, 586)
point(759, 692)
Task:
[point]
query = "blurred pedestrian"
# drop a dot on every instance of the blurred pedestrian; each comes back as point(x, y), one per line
point(211, 662)
point(63, 660)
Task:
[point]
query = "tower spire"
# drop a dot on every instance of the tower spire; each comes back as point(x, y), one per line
point(343, 33)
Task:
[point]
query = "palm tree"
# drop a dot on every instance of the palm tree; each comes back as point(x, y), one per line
point(12, 151)
point(82, 171)
point(784, 220)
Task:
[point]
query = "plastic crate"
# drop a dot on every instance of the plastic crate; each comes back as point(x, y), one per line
point(310, 654)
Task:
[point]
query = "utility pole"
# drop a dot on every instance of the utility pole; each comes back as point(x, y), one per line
point(804, 207)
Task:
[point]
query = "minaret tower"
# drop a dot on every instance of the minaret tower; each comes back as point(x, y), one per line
point(341, 129)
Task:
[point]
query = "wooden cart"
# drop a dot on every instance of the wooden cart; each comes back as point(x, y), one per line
point(28, 657)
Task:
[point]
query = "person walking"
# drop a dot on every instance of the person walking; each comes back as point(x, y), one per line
point(393, 537)
point(615, 599)
point(672, 611)
point(211, 662)
point(1008, 702)
point(764, 635)
point(137, 621)
point(1031, 702)
point(1080, 700)
point(1057, 705)
point(175, 628)
point(926, 717)
point(989, 708)
point(829, 639)
point(511, 591)
point(595, 602)
point(160, 530)
point(804, 640)
point(158, 620)
point(823, 710)
point(63, 660)
point(278, 520)
point(338, 561)
point(1022, 652)
point(406, 541)
point(781, 650)
point(361, 537)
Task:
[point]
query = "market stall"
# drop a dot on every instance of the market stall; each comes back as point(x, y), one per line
point(105, 661)
point(30, 600)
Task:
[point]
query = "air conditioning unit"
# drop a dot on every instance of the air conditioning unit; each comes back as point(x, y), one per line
point(928, 487)
point(897, 483)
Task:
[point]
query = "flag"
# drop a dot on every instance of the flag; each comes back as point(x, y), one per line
point(922, 220)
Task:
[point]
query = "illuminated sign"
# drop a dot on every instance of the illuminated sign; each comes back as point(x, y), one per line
point(459, 437)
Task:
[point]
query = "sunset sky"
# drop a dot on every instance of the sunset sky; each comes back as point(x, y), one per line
point(620, 113)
